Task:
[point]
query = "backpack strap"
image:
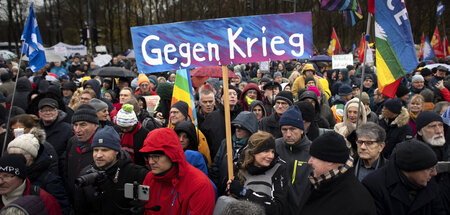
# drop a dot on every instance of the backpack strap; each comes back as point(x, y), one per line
point(35, 190)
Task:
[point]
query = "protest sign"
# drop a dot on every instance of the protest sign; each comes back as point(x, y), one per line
point(341, 61)
point(222, 41)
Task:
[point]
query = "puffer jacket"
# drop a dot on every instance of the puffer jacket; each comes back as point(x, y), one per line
point(183, 189)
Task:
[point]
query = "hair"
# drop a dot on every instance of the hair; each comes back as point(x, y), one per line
point(438, 106)
point(428, 95)
point(293, 76)
point(75, 100)
point(253, 144)
point(28, 120)
point(127, 88)
point(243, 207)
point(161, 79)
point(133, 101)
point(205, 91)
point(415, 98)
point(371, 130)
point(90, 92)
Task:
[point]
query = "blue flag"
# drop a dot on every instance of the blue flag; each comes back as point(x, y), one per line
point(440, 9)
point(32, 42)
point(428, 52)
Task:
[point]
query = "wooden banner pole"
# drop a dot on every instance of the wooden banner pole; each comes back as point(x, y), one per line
point(226, 105)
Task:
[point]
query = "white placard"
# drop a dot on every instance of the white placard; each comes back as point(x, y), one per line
point(264, 66)
point(102, 60)
point(341, 61)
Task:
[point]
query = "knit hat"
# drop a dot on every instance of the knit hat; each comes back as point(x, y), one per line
point(293, 117)
point(285, 96)
point(126, 116)
point(364, 98)
point(315, 90)
point(26, 142)
point(5, 77)
point(14, 164)
point(143, 78)
point(47, 102)
point(308, 79)
point(368, 76)
point(307, 110)
point(268, 143)
point(98, 104)
point(402, 90)
point(153, 79)
point(276, 74)
point(413, 155)
point(345, 90)
point(417, 78)
point(271, 85)
point(106, 137)
point(330, 147)
point(425, 72)
point(425, 118)
point(394, 105)
point(69, 86)
point(85, 113)
point(183, 107)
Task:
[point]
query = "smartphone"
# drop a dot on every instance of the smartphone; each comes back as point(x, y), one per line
point(143, 191)
point(18, 132)
point(443, 166)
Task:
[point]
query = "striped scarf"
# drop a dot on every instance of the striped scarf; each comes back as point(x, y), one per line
point(316, 181)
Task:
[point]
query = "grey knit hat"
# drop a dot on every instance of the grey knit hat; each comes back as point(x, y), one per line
point(98, 104)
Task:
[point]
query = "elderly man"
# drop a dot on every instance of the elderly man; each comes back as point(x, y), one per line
point(430, 130)
point(79, 151)
point(283, 101)
point(440, 75)
point(58, 132)
point(405, 185)
point(417, 85)
point(293, 147)
point(15, 184)
point(206, 104)
point(333, 182)
point(146, 86)
point(105, 196)
point(181, 188)
point(370, 143)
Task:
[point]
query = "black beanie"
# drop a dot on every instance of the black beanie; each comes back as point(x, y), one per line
point(413, 155)
point(307, 109)
point(14, 164)
point(394, 105)
point(269, 143)
point(183, 107)
point(285, 96)
point(330, 147)
point(425, 118)
point(401, 91)
point(85, 113)
point(426, 72)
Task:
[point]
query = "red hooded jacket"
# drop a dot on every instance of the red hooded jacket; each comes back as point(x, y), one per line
point(183, 189)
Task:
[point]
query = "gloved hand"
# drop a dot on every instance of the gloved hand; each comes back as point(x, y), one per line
point(237, 189)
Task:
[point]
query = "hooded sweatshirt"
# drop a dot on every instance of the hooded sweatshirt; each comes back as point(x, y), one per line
point(245, 102)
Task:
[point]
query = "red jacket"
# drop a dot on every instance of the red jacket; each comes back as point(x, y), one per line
point(182, 190)
point(446, 94)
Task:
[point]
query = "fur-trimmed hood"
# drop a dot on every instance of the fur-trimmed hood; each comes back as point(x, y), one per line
point(401, 120)
point(39, 134)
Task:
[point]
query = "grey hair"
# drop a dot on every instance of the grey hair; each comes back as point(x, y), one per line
point(371, 130)
point(243, 207)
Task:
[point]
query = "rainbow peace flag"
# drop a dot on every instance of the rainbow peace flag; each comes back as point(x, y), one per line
point(182, 91)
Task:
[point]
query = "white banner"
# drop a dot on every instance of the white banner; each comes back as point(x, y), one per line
point(341, 61)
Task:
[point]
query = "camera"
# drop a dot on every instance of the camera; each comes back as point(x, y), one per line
point(91, 177)
point(443, 166)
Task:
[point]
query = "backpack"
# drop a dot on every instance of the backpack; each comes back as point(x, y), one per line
point(151, 123)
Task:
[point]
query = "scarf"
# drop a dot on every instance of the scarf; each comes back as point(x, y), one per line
point(334, 173)
point(15, 194)
point(249, 100)
point(413, 116)
point(126, 141)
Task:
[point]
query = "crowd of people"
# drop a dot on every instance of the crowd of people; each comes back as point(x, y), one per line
point(306, 139)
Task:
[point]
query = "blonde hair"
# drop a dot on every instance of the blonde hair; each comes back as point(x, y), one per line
point(416, 97)
point(294, 75)
point(75, 100)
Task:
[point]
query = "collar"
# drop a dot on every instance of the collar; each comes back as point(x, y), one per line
point(328, 176)
point(15, 194)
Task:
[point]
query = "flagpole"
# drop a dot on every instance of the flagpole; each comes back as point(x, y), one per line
point(369, 16)
point(226, 104)
point(12, 102)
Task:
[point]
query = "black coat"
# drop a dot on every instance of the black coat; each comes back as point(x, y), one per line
point(391, 194)
point(108, 197)
point(341, 195)
point(58, 133)
point(271, 124)
point(396, 131)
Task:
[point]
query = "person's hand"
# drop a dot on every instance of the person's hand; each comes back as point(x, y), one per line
point(440, 85)
point(237, 189)
point(159, 115)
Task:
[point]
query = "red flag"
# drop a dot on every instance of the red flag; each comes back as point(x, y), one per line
point(390, 89)
point(436, 44)
point(422, 44)
point(361, 48)
point(334, 46)
point(372, 6)
point(446, 47)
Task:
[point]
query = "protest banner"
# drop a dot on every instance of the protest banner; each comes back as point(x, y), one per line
point(341, 61)
point(222, 41)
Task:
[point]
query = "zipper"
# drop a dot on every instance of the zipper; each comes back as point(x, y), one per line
point(173, 201)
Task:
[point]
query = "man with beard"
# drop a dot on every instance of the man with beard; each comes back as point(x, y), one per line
point(430, 130)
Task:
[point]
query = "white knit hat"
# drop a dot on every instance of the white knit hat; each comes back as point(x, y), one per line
point(27, 142)
point(126, 116)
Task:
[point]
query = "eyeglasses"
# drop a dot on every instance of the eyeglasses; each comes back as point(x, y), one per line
point(47, 110)
point(6, 177)
point(154, 157)
point(367, 142)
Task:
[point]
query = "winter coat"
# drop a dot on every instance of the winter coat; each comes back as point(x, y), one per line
point(380, 163)
point(261, 104)
point(197, 160)
point(31, 204)
point(58, 133)
point(326, 113)
point(183, 189)
point(40, 174)
point(343, 194)
point(299, 83)
point(297, 169)
point(271, 124)
point(139, 135)
point(396, 131)
point(51, 205)
point(371, 116)
point(345, 128)
point(108, 197)
point(198, 143)
point(7, 88)
point(214, 127)
point(243, 99)
point(23, 89)
point(219, 167)
point(267, 187)
point(391, 195)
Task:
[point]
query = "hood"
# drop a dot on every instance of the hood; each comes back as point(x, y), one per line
point(260, 103)
point(362, 111)
point(344, 73)
point(39, 134)
point(166, 140)
point(311, 95)
point(308, 66)
point(402, 119)
point(95, 86)
point(251, 86)
point(247, 120)
point(23, 85)
point(144, 103)
point(189, 128)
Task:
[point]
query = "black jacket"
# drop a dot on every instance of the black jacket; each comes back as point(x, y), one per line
point(392, 197)
point(58, 133)
point(107, 197)
point(271, 124)
point(341, 195)
point(396, 131)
